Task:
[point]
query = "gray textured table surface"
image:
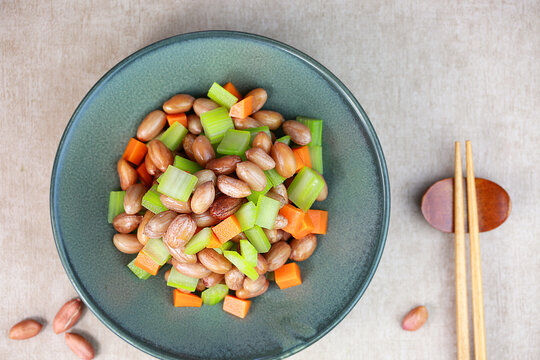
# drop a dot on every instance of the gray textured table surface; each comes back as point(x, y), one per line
point(427, 73)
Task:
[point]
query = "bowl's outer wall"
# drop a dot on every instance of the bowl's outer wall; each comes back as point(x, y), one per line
point(280, 322)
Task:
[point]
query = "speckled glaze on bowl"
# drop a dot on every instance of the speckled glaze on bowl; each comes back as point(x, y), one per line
point(280, 323)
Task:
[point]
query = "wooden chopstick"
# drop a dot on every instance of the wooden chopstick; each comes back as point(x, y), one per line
point(462, 314)
point(476, 268)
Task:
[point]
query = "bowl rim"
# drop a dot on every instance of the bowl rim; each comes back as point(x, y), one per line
point(321, 70)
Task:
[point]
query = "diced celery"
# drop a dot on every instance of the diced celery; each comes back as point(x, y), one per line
point(185, 164)
point(255, 131)
point(177, 183)
point(315, 126)
point(216, 123)
point(156, 249)
point(246, 215)
point(152, 202)
point(173, 136)
point(267, 210)
point(285, 139)
point(199, 241)
point(116, 204)
point(221, 96)
point(229, 245)
point(249, 252)
point(254, 196)
point(235, 142)
point(242, 264)
point(274, 177)
point(315, 154)
point(305, 188)
point(181, 281)
point(258, 239)
point(140, 273)
point(214, 294)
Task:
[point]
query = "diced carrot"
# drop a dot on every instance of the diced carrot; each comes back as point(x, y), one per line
point(288, 276)
point(302, 152)
point(319, 218)
point(181, 299)
point(305, 228)
point(144, 176)
point(135, 151)
point(227, 229)
point(299, 161)
point(235, 306)
point(214, 242)
point(180, 117)
point(230, 88)
point(294, 218)
point(242, 109)
point(146, 263)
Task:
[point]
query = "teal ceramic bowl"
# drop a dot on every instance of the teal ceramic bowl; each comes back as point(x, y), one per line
point(280, 323)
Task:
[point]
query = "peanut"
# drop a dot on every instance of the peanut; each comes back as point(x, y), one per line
point(205, 219)
point(181, 207)
point(244, 294)
point(303, 248)
point(196, 270)
point(233, 187)
point(67, 316)
point(203, 150)
point(252, 175)
point(415, 319)
point(246, 123)
point(299, 133)
point(179, 255)
point(262, 141)
point(25, 329)
point(194, 124)
point(269, 118)
point(284, 158)
point(202, 105)
point(125, 223)
point(80, 346)
point(278, 255)
point(151, 126)
point(127, 243)
point(158, 224)
point(213, 261)
point(259, 157)
point(126, 173)
point(224, 165)
point(133, 198)
point(187, 144)
point(203, 197)
point(180, 231)
point(160, 155)
point(234, 279)
point(143, 239)
point(212, 279)
point(259, 98)
point(180, 103)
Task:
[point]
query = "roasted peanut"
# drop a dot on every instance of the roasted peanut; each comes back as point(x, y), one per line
point(187, 144)
point(212, 279)
point(126, 173)
point(213, 261)
point(224, 165)
point(158, 224)
point(282, 235)
point(269, 118)
point(133, 198)
point(160, 155)
point(203, 197)
point(262, 265)
point(284, 158)
point(263, 141)
point(234, 279)
point(151, 168)
point(180, 103)
point(246, 123)
point(200, 285)
point(271, 235)
point(194, 124)
point(415, 318)
point(244, 294)
point(281, 222)
point(202, 105)
point(203, 150)
point(196, 270)
point(25, 329)
point(143, 239)
point(127, 243)
point(205, 219)
point(278, 255)
point(179, 255)
point(282, 191)
point(151, 126)
point(259, 98)
point(181, 207)
point(233, 187)
point(125, 223)
point(180, 231)
point(67, 316)
point(224, 206)
point(204, 176)
point(252, 175)
point(303, 248)
point(253, 286)
point(299, 133)
point(80, 346)
point(260, 158)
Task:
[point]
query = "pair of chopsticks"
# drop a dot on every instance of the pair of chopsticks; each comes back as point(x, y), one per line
point(463, 352)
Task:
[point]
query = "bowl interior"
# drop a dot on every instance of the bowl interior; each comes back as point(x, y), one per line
point(280, 322)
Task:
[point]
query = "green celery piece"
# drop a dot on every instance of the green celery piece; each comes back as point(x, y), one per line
point(214, 294)
point(216, 123)
point(235, 142)
point(156, 249)
point(229, 245)
point(221, 96)
point(242, 264)
point(140, 273)
point(254, 196)
point(152, 202)
point(305, 188)
point(274, 177)
point(177, 183)
point(199, 241)
point(315, 154)
point(173, 136)
point(181, 281)
point(255, 131)
point(249, 252)
point(116, 204)
point(185, 164)
point(316, 128)
point(285, 139)
point(267, 210)
point(246, 215)
point(258, 239)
